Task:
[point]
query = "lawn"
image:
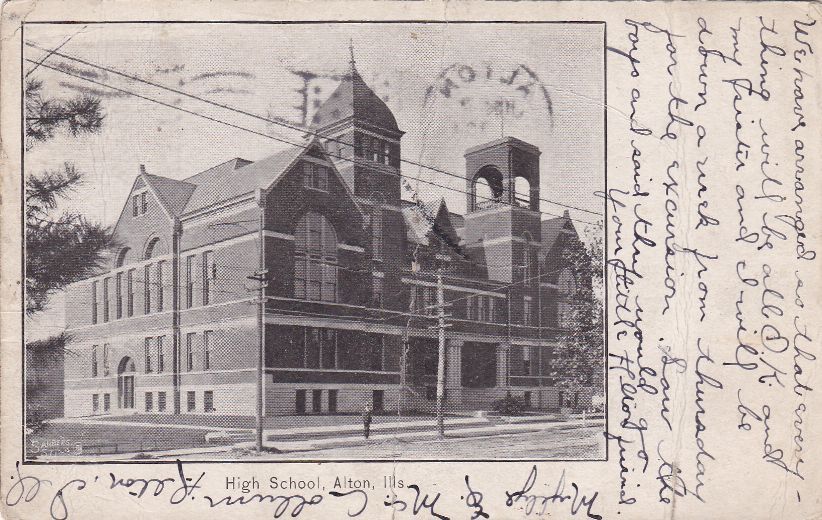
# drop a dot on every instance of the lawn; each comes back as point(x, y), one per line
point(76, 439)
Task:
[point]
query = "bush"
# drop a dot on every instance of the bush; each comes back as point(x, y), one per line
point(509, 405)
point(35, 418)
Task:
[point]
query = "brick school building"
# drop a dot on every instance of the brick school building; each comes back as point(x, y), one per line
point(170, 325)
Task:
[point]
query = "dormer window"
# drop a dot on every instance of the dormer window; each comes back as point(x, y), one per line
point(315, 176)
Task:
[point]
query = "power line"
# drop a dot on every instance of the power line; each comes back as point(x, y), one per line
point(279, 123)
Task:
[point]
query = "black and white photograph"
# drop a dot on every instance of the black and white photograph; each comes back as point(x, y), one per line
point(314, 241)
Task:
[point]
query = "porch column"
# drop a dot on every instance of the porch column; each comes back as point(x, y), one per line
point(502, 364)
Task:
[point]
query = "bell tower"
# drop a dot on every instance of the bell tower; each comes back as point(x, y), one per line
point(502, 225)
point(362, 137)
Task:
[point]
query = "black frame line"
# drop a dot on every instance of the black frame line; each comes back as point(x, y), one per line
point(25, 461)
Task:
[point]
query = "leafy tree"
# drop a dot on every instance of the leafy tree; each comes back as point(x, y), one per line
point(580, 362)
point(44, 377)
point(62, 248)
point(44, 116)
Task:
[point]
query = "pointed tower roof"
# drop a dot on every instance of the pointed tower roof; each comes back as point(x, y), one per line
point(354, 99)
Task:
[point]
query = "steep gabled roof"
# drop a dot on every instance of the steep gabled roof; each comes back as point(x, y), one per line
point(237, 177)
point(217, 172)
point(414, 217)
point(421, 219)
point(172, 194)
point(551, 229)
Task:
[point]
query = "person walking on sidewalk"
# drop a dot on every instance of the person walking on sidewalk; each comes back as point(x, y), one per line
point(367, 415)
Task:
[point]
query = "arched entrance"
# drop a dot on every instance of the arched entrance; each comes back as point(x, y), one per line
point(125, 383)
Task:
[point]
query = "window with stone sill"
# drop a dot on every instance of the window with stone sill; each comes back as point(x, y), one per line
point(315, 259)
point(315, 176)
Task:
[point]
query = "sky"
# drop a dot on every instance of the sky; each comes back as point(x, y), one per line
point(450, 86)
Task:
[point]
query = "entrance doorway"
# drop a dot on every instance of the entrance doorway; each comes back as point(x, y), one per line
point(125, 383)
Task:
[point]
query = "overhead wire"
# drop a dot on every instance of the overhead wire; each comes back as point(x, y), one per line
point(286, 141)
point(268, 120)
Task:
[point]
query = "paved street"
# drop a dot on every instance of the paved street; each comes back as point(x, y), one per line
point(555, 443)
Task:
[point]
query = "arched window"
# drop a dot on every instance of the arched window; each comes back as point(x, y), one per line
point(522, 192)
point(487, 189)
point(122, 257)
point(315, 259)
point(483, 191)
point(151, 248)
point(125, 383)
point(567, 288)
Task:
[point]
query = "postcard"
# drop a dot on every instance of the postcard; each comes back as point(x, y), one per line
point(410, 260)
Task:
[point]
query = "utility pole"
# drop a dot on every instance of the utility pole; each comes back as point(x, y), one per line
point(441, 353)
point(260, 276)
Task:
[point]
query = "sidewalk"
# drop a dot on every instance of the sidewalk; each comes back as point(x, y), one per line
point(415, 431)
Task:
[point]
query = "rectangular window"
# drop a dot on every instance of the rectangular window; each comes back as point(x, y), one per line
point(527, 305)
point(208, 401)
point(299, 398)
point(377, 290)
point(312, 348)
point(94, 303)
point(191, 401)
point(378, 400)
point(332, 401)
point(106, 370)
point(106, 402)
point(189, 281)
point(471, 308)
point(329, 282)
point(308, 174)
point(94, 361)
point(315, 269)
point(526, 361)
point(135, 205)
point(208, 337)
point(147, 353)
point(320, 177)
point(147, 289)
point(160, 354)
point(144, 202)
point(190, 351)
point(373, 147)
point(358, 145)
point(299, 277)
point(159, 285)
point(328, 352)
point(389, 154)
point(95, 403)
point(105, 299)
point(118, 295)
point(376, 354)
point(208, 270)
point(130, 293)
point(382, 152)
point(161, 401)
point(377, 236)
point(316, 401)
point(149, 402)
